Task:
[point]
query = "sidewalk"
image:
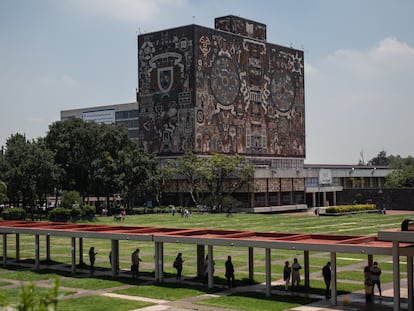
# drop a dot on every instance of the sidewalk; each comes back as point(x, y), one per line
point(353, 301)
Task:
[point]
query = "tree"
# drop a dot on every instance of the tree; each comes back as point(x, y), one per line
point(227, 174)
point(133, 168)
point(74, 143)
point(380, 160)
point(103, 176)
point(194, 171)
point(3, 191)
point(159, 176)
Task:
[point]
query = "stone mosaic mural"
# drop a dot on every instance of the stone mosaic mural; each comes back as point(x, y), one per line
point(209, 90)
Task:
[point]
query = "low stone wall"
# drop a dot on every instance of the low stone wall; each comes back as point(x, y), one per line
point(272, 209)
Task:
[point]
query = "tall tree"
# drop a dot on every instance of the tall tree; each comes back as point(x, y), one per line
point(74, 143)
point(133, 168)
point(380, 159)
point(227, 174)
point(194, 171)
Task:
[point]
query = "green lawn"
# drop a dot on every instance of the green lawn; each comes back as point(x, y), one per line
point(362, 224)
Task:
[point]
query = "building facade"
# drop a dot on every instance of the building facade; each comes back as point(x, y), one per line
point(223, 90)
point(125, 114)
point(226, 90)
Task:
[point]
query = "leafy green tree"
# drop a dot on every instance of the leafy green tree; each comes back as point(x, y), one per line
point(400, 178)
point(3, 191)
point(227, 174)
point(75, 144)
point(71, 199)
point(158, 178)
point(103, 176)
point(380, 159)
point(194, 171)
point(133, 168)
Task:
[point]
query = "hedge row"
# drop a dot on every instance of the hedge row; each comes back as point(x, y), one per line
point(350, 208)
point(16, 213)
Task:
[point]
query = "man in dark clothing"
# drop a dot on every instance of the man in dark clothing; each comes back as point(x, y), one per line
point(229, 272)
point(326, 272)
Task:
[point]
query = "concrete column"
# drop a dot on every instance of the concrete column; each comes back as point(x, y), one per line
point(114, 257)
point(410, 282)
point(37, 252)
point(370, 260)
point(313, 199)
point(73, 255)
point(17, 246)
point(268, 272)
point(306, 264)
point(334, 198)
point(251, 264)
point(396, 273)
point(200, 261)
point(334, 294)
point(80, 251)
point(4, 249)
point(159, 262)
point(210, 266)
point(324, 198)
point(48, 248)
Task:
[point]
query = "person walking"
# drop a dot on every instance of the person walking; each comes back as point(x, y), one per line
point(375, 277)
point(92, 257)
point(296, 272)
point(229, 272)
point(135, 263)
point(178, 265)
point(287, 271)
point(326, 272)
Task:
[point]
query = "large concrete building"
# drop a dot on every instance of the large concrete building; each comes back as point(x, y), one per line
point(125, 114)
point(227, 90)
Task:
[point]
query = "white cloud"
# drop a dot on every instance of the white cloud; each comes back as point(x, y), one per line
point(129, 10)
point(361, 100)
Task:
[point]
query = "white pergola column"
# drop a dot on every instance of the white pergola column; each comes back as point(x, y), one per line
point(80, 251)
point(210, 267)
point(396, 273)
point(200, 261)
point(268, 272)
point(37, 252)
point(410, 282)
point(73, 255)
point(48, 247)
point(17, 246)
point(334, 294)
point(251, 264)
point(159, 262)
point(4, 249)
point(306, 264)
point(114, 257)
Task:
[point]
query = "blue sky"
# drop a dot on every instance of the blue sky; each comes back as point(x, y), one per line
point(359, 63)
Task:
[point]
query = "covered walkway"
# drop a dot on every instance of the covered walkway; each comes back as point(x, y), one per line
point(333, 244)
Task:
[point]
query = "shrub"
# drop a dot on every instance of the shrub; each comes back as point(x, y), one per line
point(60, 214)
point(14, 214)
point(350, 208)
point(71, 198)
point(88, 210)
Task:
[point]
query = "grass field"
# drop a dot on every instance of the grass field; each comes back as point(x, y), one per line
point(349, 277)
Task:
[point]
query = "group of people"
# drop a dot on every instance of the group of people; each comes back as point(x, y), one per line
point(292, 272)
point(183, 211)
point(372, 278)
